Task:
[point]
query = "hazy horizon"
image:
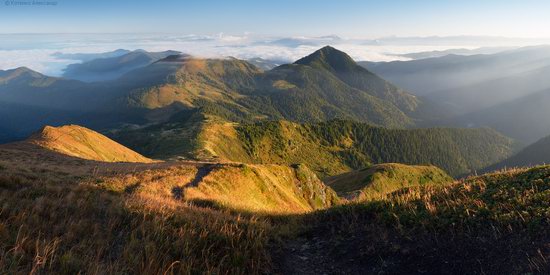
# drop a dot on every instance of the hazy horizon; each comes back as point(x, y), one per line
point(36, 51)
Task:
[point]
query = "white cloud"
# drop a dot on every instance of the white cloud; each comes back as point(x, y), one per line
point(38, 60)
point(39, 56)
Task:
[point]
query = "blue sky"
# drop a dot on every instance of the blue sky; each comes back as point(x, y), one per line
point(347, 18)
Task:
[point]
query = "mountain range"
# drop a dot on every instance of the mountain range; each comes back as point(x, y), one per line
point(325, 85)
point(312, 89)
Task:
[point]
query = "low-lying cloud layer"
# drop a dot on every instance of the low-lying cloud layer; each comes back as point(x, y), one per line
point(38, 52)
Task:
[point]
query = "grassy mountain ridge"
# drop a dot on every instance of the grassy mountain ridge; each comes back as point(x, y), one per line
point(22, 74)
point(303, 93)
point(216, 80)
point(76, 141)
point(265, 188)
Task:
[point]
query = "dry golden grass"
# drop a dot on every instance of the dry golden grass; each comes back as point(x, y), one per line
point(265, 189)
point(56, 221)
point(80, 142)
point(66, 227)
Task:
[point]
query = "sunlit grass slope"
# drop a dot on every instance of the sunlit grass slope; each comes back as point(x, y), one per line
point(247, 188)
point(80, 142)
point(64, 215)
point(62, 225)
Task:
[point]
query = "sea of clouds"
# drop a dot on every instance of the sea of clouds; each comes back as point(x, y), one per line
point(40, 52)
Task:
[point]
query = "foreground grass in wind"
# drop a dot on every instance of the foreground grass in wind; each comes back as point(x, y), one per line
point(63, 227)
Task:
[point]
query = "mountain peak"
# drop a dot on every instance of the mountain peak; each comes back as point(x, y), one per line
point(18, 72)
point(329, 49)
point(329, 58)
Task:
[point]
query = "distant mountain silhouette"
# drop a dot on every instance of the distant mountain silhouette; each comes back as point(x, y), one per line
point(109, 68)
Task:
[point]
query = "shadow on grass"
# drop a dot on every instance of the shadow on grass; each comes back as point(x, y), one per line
point(202, 172)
